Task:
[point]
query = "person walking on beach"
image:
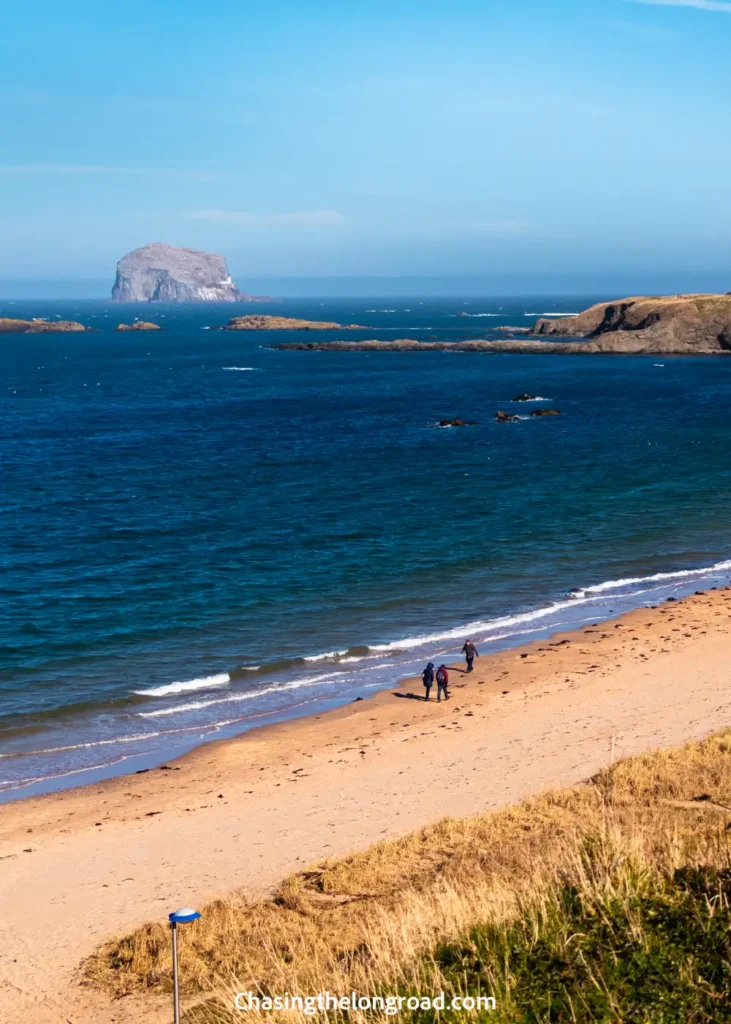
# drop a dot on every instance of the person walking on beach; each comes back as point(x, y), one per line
point(442, 683)
point(470, 653)
point(428, 676)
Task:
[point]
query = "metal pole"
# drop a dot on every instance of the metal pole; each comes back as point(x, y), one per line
point(176, 993)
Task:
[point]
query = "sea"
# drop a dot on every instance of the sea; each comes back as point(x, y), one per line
point(202, 535)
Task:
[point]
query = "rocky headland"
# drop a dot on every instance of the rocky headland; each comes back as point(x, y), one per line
point(37, 326)
point(255, 322)
point(663, 325)
point(139, 325)
point(677, 325)
point(165, 273)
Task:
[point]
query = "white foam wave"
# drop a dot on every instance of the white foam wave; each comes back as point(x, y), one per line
point(558, 314)
point(585, 595)
point(294, 684)
point(239, 368)
point(186, 686)
point(658, 577)
point(327, 656)
point(538, 398)
point(480, 314)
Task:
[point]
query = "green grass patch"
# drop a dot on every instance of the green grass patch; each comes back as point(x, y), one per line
point(632, 947)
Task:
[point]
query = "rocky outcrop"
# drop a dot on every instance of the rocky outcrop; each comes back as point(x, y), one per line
point(253, 322)
point(661, 325)
point(505, 417)
point(139, 325)
point(9, 326)
point(679, 325)
point(165, 273)
point(525, 398)
point(456, 423)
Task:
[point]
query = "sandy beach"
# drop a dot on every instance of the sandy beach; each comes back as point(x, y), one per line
point(83, 865)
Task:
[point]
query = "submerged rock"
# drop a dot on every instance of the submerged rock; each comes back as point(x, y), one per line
point(524, 398)
point(38, 326)
point(166, 273)
point(455, 423)
point(546, 412)
point(505, 417)
point(139, 325)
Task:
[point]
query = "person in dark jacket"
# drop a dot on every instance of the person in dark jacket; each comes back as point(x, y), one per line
point(442, 683)
point(428, 676)
point(470, 653)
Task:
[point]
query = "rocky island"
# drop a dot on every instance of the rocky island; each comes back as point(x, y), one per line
point(38, 326)
point(165, 273)
point(253, 322)
point(671, 325)
point(139, 325)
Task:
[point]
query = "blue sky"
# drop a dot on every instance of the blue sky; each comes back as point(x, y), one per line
point(470, 137)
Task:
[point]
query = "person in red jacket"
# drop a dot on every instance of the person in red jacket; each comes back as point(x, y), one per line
point(442, 682)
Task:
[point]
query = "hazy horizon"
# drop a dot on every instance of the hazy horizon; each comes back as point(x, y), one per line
point(436, 287)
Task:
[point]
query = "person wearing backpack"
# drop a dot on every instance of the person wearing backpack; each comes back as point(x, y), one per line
point(442, 683)
point(428, 677)
point(470, 653)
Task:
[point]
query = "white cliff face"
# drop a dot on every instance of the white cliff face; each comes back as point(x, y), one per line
point(165, 273)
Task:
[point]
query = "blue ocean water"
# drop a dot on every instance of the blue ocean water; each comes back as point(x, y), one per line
point(201, 534)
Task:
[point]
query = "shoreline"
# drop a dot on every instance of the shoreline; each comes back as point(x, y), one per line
point(85, 864)
point(505, 632)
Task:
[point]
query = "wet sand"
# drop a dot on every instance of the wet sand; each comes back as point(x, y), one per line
point(83, 865)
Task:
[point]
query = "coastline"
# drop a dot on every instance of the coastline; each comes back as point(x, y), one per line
point(319, 683)
point(244, 812)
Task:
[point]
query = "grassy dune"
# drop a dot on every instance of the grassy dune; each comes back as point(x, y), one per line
point(605, 902)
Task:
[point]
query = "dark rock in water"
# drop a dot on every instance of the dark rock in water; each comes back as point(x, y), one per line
point(455, 423)
point(165, 273)
point(505, 417)
point(546, 412)
point(524, 398)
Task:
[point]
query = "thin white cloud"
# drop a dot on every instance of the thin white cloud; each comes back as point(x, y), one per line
point(267, 219)
point(720, 6)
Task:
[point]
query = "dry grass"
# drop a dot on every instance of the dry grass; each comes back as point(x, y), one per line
point(369, 922)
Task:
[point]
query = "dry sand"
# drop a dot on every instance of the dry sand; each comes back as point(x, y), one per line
point(81, 866)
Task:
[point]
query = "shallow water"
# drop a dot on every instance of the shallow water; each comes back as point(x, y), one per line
point(201, 534)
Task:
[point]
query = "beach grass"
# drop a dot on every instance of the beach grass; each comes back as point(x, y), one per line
point(608, 901)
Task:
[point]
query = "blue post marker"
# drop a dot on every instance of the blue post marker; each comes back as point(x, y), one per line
point(182, 916)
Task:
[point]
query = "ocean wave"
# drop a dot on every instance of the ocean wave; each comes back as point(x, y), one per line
point(293, 684)
point(239, 368)
point(584, 595)
point(658, 577)
point(538, 398)
point(186, 686)
point(558, 314)
point(488, 630)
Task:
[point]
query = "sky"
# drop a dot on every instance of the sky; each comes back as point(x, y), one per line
point(517, 142)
